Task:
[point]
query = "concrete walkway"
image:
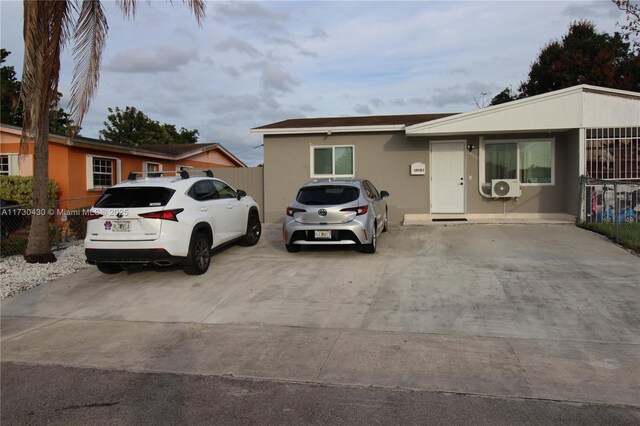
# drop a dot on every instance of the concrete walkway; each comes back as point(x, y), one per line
point(549, 312)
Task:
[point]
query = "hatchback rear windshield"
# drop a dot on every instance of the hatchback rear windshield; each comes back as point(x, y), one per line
point(327, 195)
point(135, 197)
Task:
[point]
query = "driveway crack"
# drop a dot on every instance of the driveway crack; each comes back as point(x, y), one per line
point(329, 354)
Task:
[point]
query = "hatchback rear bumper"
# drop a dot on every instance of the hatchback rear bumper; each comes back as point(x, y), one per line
point(353, 232)
point(133, 257)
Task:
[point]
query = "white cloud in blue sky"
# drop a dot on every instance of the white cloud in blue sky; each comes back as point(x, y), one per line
point(252, 63)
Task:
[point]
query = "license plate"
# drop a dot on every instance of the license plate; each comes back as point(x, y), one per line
point(121, 227)
point(324, 235)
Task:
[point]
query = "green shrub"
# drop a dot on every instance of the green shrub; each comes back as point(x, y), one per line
point(12, 246)
point(20, 189)
point(78, 222)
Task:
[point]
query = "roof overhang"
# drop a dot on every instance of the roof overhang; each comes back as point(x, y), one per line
point(576, 107)
point(325, 130)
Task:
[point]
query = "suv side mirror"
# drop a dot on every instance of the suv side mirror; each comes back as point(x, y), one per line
point(383, 194)
point(241, 193)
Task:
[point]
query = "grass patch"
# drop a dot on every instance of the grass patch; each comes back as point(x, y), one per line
point(629, 233)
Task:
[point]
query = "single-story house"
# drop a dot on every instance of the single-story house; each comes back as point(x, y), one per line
point(521, 159)
point(84, 167)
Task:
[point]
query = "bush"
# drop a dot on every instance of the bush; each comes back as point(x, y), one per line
point(78, 222)
point(20, 189)
point(12, 246)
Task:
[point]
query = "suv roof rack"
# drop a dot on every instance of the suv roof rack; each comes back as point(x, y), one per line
point(182, 173)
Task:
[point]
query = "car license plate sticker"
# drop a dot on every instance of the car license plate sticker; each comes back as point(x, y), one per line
point(121, 226)
point(323, 235)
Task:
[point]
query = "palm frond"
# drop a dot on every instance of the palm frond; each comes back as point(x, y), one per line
point(45, 31)
point(90, 37)
point(198, 8)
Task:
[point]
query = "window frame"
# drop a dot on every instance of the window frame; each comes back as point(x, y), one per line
point(115, 172)
point(13, 164)
point(333, 174)
point(485, 142)
point(150, 173)
point(8, 171)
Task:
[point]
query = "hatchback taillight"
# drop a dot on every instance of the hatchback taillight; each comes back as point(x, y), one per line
point(292, 210)
point(359, 210)
point(164, 214)
point(92, 216)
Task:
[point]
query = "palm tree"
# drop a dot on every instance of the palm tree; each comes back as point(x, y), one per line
point(48, 25)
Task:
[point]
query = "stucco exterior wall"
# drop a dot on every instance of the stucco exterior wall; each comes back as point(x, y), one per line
point(385, 159)
point(534, 199)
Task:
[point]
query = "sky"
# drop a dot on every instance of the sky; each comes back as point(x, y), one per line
point(255, 63)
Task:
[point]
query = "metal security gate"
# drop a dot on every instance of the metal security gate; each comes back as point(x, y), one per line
point(612, 153)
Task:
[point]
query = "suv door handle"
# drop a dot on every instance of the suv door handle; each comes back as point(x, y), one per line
point(203, 209)
point(229, 206)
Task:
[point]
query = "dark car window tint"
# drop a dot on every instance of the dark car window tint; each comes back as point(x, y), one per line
point(224, 190)
point(372, 189)
point(203, 190)
point(327, 195)
point(135, 197)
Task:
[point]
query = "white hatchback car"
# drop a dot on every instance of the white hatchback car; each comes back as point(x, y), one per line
point(167, 221)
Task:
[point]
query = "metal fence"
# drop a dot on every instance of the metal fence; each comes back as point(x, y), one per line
point(610, 202)
point(67, 223)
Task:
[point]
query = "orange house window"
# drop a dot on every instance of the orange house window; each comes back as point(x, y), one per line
point(102, 172)
point(4, 165)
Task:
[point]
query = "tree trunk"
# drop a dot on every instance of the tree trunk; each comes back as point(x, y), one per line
point(39, 247)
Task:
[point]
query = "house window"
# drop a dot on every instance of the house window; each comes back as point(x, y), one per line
point(102, 172)
point(529, 161)
point(4, 165)
point(332, 161)
point(181, 168)
point(149, 168)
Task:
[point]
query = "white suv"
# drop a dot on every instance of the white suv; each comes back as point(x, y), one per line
point(168, 220)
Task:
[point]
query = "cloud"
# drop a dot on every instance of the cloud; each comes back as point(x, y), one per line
point(306, 108)
point(231, 71)
point(377, 102)
point(318, 32)
point(362, 109)
point(160, 58)
point(234, 43)
point(273, 76)
point(590, 10)
point(252, 13)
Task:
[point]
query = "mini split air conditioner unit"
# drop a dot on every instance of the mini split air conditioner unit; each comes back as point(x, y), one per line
point(505, 188)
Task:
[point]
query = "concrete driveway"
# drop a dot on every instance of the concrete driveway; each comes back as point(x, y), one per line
point(524, 311)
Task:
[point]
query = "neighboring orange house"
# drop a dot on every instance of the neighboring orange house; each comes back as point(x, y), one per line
point(84, 167)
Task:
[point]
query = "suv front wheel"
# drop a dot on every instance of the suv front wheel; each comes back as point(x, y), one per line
point(199, 255)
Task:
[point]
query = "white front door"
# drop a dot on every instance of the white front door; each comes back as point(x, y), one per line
point(447, 177)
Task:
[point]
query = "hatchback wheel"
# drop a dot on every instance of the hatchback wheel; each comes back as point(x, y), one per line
point(386, 220)
point(293, 248)
point(199, 255)
point(371, 248)
point(254, 230)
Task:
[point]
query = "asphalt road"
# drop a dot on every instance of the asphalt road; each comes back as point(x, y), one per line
point(37, 394)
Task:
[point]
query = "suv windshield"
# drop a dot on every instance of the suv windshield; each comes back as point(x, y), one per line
point(135, 197)
point(327, 195)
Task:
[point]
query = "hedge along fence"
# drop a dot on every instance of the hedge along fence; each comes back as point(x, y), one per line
point(19, 189)
point(14, 224)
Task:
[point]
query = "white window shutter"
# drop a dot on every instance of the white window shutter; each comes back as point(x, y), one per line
point(89, 172)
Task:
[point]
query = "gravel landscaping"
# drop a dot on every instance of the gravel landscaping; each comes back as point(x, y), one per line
point(16, 275)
